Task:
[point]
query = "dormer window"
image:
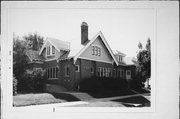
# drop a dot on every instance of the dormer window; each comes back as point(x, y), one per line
point(96, 50)
point(120, 58)
point(50, 50)
point(53, 50)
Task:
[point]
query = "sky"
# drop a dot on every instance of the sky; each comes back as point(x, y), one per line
point(123, 28)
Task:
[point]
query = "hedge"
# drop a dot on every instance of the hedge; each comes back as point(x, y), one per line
point(101, 84)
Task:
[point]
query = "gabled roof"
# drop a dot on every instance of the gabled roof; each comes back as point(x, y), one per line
point(91, 41)
point(130, 60)
point(116, 52)
point(34, 55)
point(58, 44)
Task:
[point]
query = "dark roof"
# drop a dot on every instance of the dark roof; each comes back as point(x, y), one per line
point(34, 55)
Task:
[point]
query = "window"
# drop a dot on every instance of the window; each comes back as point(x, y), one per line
point(48, 50)
point(123, 74)
point(53, 50)
point(107, 75)
point(96, 51)
point(52, 72)
point(92, 69)
point(77, 68)
point(100, 71)
point(104, 72)
point(99, 51)
point(128, 72)
point(114, 72)
point(67, 70)
point(93, 50)
point(109, 72)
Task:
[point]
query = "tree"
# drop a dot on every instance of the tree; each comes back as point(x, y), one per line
point(33, 41)
point(19, 57)
point(144, 62)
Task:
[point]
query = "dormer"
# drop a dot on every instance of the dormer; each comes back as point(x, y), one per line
point(50, 50)
point(119, 56)
point(53, 48)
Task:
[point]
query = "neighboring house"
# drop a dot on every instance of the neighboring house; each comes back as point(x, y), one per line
point(68, 67)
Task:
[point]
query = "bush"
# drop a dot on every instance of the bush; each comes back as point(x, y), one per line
point(101, 84)
point(15, 82)
point(32, 81)
point(136, 83)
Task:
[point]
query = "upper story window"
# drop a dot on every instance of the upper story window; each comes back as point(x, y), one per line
point(53, 50)
point(120, 58)
point(50, 50)
point(96, 50)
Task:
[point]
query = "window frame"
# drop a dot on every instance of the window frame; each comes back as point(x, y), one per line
point(67, 73)
point(92, 69)
point(96, 50)
point(128, 71)
point(53, 50)
point(52, 72)
point(77, 68)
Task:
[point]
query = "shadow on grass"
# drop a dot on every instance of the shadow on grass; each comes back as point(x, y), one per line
point(111, 94)
point(140, 90)
point(65, 96)
point(137, 101)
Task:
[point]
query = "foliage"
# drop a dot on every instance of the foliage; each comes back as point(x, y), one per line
point(15, 82)
point(33, 41)
point(144, 62)
point(33, 80)
point(19, 57)
point(101, 84)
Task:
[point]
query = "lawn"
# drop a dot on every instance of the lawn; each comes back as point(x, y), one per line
point(47, 98)
point(34, 99)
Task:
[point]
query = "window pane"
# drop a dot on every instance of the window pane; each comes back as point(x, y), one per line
point(77, 68)
point(53, 73)
point(93, 50)
point(53, 50)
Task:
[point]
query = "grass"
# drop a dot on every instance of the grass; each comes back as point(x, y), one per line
point(34, 99)
point(47, 98)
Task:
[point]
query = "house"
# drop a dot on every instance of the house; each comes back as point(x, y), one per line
point(68, 67)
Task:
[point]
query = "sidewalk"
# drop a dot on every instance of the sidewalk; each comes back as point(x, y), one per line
point(104, 102)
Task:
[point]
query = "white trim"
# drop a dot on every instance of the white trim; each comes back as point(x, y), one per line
point(47, 60)
point(47, 39)
point(91, 41)
point(95, 60)
point(78, 68)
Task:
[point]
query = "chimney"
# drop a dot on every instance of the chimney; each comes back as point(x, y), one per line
point(84, 33)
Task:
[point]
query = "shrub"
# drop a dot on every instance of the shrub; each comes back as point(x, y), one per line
point(136, 83)
point(33, 81)
point(101, 84)
point(15, 82)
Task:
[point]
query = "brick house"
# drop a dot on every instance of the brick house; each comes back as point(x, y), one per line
point(94, 58)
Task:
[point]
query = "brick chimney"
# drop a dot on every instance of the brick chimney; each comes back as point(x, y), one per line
point(84, 33)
